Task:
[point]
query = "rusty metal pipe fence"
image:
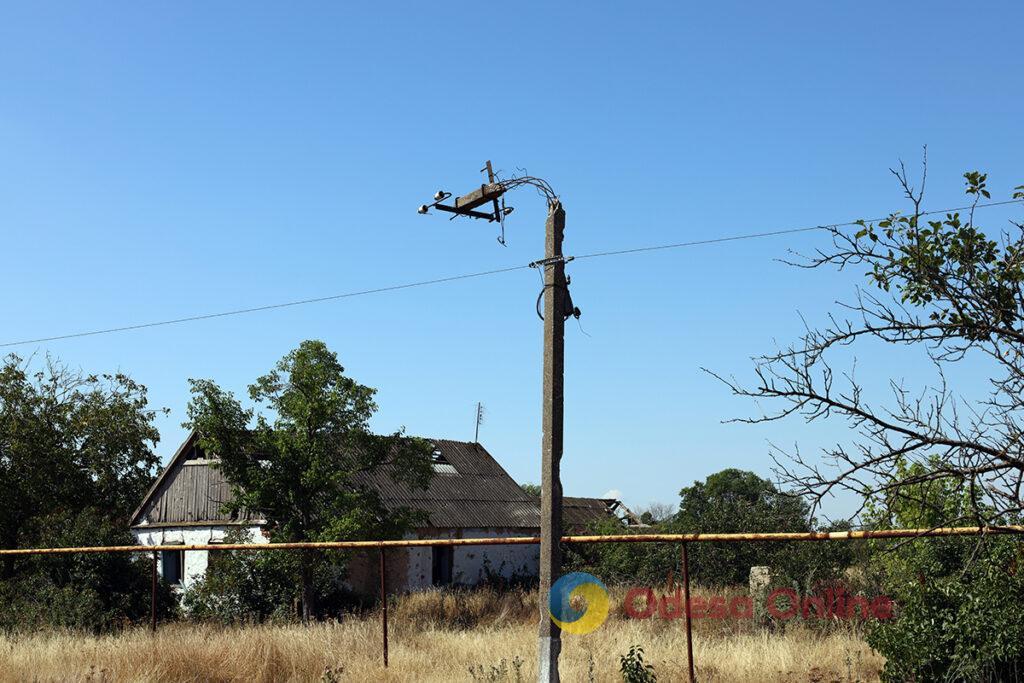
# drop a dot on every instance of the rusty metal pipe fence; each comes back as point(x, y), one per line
point(682, 539)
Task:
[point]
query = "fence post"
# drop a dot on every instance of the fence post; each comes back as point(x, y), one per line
point(686, 608)
point(384, 604)
point(152, 597)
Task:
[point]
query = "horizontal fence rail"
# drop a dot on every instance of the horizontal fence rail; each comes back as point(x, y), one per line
point(533, 540)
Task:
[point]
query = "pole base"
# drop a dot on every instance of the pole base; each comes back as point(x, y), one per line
point(547, 669)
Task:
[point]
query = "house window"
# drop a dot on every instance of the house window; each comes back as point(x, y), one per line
point(173, 566)
point(443, 563)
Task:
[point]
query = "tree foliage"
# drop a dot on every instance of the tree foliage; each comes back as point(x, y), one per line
point(531, 489)
point(957, 600)
point(298, 455)
point(737, 501)
point(729, 501)
point(945, 287)
point(93, 592)
point(244, 587)
point(76, 457)
point(634, 564)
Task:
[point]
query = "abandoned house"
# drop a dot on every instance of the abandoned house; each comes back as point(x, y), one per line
point(470, 496)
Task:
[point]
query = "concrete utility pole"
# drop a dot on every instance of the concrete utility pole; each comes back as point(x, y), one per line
point(555, 289)
point(557, 308)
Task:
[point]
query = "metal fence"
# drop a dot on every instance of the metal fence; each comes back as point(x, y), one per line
point(682, 539)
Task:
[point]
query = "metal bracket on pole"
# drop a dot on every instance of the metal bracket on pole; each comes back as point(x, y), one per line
point(545, 262)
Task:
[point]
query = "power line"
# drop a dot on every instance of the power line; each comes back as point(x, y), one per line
point(790, 231)
point(269, 307)
point(454, 278)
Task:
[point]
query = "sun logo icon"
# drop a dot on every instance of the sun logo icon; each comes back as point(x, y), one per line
point(584, 587)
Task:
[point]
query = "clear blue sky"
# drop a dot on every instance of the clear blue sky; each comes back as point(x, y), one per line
point(159, 160)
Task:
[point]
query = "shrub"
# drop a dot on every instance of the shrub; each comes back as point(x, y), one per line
point(243, 586)
point(93, 592)
point(958, 611)
point(957, 600)
point(634, 669)
point(622, 563)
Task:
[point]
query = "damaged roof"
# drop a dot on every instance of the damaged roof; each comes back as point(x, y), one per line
point(582, 512)
point(469, 489)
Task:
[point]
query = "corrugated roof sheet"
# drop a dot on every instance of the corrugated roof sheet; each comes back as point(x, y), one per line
point(480, 494)
point(581, 512)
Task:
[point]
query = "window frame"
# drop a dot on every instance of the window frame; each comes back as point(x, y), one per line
point(179, 558)
point(442, 565)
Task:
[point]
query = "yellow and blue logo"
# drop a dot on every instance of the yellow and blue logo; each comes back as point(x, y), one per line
point(582, 586)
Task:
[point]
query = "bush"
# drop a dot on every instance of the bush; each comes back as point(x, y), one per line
point(957, 599)
point(243, 586)
point(622, 563)
point(958, 611)
point(93, 592)
point(634, 669)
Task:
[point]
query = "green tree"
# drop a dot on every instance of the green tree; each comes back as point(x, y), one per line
point(93, 592)
point(76, 456)
point(730, 501)
point(531, 489)
point(737, 501)
point(298, 456)
point(957, 600)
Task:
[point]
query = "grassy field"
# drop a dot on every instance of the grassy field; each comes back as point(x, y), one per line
point(479, 636)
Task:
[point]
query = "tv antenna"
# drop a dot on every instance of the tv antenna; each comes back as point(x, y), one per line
point(479, 421)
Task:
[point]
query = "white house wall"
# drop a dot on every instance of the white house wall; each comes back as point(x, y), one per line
point(196, 561)
point(471, 564)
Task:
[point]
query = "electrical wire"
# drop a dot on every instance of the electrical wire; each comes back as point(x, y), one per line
point(269, 307)
point(773, 233)
point(454, 278)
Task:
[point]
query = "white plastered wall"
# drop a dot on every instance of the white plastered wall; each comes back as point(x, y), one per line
point(471, 564)
point(196, 561)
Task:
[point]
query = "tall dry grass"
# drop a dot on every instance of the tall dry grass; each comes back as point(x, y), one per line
point(436, 637)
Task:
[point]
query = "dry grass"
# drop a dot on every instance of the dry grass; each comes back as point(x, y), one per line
point(435, 638)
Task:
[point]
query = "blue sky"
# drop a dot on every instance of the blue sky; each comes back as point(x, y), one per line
point(164, 160)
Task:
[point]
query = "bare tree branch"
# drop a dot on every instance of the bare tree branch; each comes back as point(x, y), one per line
point(943, 287)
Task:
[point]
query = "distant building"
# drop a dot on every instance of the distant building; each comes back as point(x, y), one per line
point(470, 496)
